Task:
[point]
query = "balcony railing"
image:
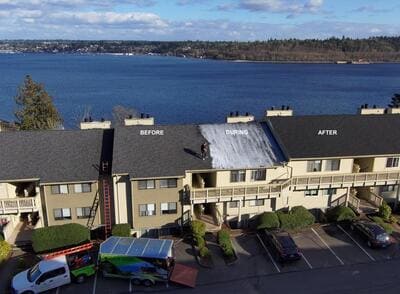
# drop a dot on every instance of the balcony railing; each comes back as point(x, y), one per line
point(235, 192)
point(345, 179)
point(17, 205)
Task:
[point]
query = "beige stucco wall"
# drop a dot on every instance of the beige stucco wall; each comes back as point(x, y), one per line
point(156, 196)
point(121, 185)
point(300, 167)
point(380, 165)
point(71, 200)
point(320, 201)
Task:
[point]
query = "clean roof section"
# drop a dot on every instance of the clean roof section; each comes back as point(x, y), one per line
point(137, 247)
point(303, 137)
point(51, 156)
point(241, 145)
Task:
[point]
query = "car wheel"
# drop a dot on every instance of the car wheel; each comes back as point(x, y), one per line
point(147, 283)
point(136, 282)
point(80, 279)
point(369, 244)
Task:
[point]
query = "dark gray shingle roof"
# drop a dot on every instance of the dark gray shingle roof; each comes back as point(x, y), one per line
point(357, 135)
point(146, 156)
point(51, 156)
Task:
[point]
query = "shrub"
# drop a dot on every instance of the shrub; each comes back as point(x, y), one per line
point(198, 228)
point(57, 237)
point(121, 230)
point(268, 220)
point(199, 241)
point(224, 240)
point(1, 237)
point(340, 213)
point(5, 250)
point(387, 227)
point(385, 211)
point(297, 218)
point(204, 252)
point(393, 219)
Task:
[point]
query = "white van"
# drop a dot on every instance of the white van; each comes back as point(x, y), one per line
point(46, 275)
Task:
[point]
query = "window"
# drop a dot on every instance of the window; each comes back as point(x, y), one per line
point(234, 204)
point(392, 162)
point(311, 193)
point(331, 191)
point(83, 188)
point(258, 174)
point(59, 189)
point(238, 176)
point(332, 164)
point(83, 212)
point(147, 184)
point(258, 202)
point(314, 165)
point(62, 213)
point(168, 183)
point(168, 208)
point(390, 188)
point(51, 274)
point(147, 209)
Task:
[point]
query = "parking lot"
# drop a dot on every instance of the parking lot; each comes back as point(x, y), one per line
point(321, 247)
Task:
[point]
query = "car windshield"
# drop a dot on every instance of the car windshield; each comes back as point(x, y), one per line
point(34, 273)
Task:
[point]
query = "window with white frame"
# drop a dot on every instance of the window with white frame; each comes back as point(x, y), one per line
point(59, 189)
point(62, 213)
point(147, 209)
point(258, 174)
point(256, 202)
point(83, 212)
point(147, 184)
point(390, 188)
point(168, 183)
point(238, 176)
point(328, 192)
point(168, 208)
point(234, 204)
point(332, 164)
point(392, 162)
point(83, 188)
point(314, 165)
point(311, 193)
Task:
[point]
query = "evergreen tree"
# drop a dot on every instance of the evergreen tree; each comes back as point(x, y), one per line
point(36, 110)
point(395, 102)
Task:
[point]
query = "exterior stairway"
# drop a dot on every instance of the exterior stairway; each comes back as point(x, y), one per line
point(211, 223)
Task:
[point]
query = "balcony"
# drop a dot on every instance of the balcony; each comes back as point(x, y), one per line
point(234, 193)
point(345, 180)
point(18, 205)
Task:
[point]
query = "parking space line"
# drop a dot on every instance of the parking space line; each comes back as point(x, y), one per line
point(95, 283)
point(306, 260)
point(269, 254)
point(327, 246)
point(58, 290)
point(365, 251)
point(130, 286)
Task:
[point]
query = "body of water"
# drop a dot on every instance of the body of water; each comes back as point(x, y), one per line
point(178, 90)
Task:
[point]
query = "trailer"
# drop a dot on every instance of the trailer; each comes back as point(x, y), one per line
point(144, 261)
point(56, 269)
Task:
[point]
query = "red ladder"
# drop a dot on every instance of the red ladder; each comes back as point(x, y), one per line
point(76, 249)
point(107, 207)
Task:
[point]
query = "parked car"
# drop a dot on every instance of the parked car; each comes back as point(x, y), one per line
point(283, 245)
point(373, 233)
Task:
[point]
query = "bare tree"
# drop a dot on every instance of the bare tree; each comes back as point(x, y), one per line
point(120, 112)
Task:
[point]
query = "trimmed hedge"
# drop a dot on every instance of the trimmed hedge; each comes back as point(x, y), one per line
point(387, 227)
point(385, 211)
point(198, 228)
point(204, 252)
point(5, 250)
point(224, 240)
point(268, 220)
point(57, 237)
point(340, 213)
point(297, 218)
point(121, 230)
point(199, 240)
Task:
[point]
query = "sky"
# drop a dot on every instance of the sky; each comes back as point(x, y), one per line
point(165, 20)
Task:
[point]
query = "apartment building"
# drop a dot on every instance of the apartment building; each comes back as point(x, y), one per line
point(160, 178)
point(49, 178)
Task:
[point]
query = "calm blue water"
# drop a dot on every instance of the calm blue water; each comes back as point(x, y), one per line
point(177, 90)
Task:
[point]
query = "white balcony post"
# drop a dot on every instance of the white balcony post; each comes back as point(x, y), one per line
point(239, 212)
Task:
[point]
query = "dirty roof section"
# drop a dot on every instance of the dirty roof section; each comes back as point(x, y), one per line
point(241, 145)
point(158, 151)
